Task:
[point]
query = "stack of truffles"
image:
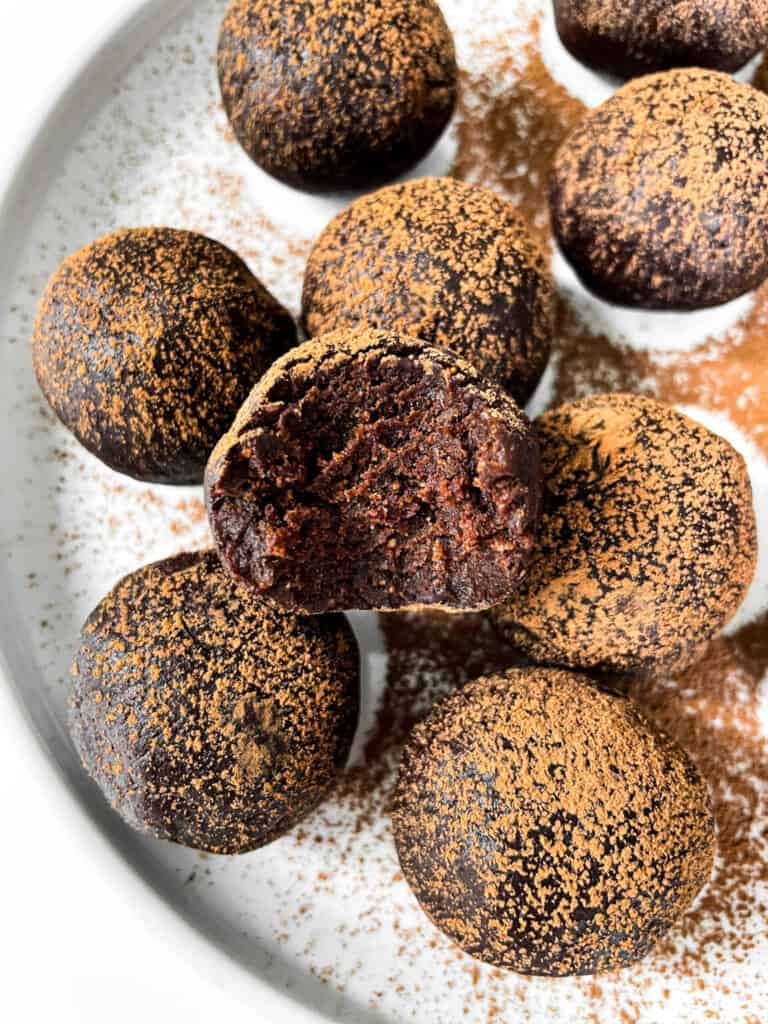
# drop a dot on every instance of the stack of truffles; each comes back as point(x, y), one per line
point(542, 821)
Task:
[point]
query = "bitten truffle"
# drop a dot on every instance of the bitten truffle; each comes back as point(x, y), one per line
point(632, 39)
point(328, 95)
point(451, 263)
point(659, 197)
point(206, 716)
point(647, 543)
point(547, 827)
point(146, 343)
point(371, 470)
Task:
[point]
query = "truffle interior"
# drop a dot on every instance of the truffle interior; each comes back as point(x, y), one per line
point(378, 481)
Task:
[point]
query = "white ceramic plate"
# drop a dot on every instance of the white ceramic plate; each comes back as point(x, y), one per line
point(319, 925)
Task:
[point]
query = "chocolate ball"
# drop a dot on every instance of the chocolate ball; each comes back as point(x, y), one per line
point(626, 40)
point(647, 543)
point(659, 197)
point(328, 95)
point(371, 470)
point(451, 263)
point(548, 827)
point(146, 343)
point(206, 716)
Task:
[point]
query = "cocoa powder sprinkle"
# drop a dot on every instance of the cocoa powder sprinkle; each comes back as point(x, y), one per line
point(547, 827)
point(659, 197)
point(147, 341)
point(451, 263)
point(329, 95)
point(206, 716)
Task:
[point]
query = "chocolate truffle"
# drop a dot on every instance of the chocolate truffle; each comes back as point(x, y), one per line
point(205, 715)
point(659, 197)
point(146, 343)
point(547, 826)
point(632, 39)
point(451, 263)
point(647, 543)
point(371, 470)
point(328, 95)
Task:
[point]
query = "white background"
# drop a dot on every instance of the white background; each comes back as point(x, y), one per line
point(72, 951)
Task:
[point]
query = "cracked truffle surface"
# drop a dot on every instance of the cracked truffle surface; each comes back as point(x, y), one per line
point(547, 826)
point(647, 543)
point(206, 716)
point(659, 197)
point(627, 39)
point(328, 95)
point(146, 343)
point(451, 263)
point(371, 470)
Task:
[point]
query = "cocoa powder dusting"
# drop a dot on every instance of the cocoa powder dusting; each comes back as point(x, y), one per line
point(328, 95)
point(647, 545)
point(205, 716)
point(547, 827)
point(511, 119)
point(446, 261)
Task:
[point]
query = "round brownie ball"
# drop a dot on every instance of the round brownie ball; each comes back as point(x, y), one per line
point(647, 543)
point(659, 197)
point(205, 715)
point(146, 343)
point(371, 470)
point(547, 827)
point(328, 95)
point(451, 263)
point(633, 39)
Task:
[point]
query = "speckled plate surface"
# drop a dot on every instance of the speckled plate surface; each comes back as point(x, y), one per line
point(323, 915)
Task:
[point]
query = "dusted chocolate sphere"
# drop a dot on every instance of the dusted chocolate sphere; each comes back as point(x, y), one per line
point(371, 470)
point(146, 343)
point(659, 197)
point(451, 263)
point(633, 39)
point(647, 544)
point(206, 716)
point(328, 95)
point(547, 827)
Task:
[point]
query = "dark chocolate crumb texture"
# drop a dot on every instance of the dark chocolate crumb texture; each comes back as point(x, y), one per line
point(328, 95)
point(371, 470)
point(648, 539)
point(206, 716)
point(659, 197)
point(548, 827)
point(146, 343)
point(451, 263)
point(627, 39)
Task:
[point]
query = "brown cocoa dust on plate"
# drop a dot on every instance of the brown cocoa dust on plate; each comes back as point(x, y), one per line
point(507, 137)
point(511, 118)
point(712, 710)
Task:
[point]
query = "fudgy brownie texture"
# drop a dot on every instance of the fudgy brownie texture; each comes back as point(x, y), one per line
point(659, 197)
point(205, 715)
point(328, 95)
point(451, 263)
point(547, 827)
point(647, 543)
point(146, 343)
point(371, 470)
point(627, 39)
